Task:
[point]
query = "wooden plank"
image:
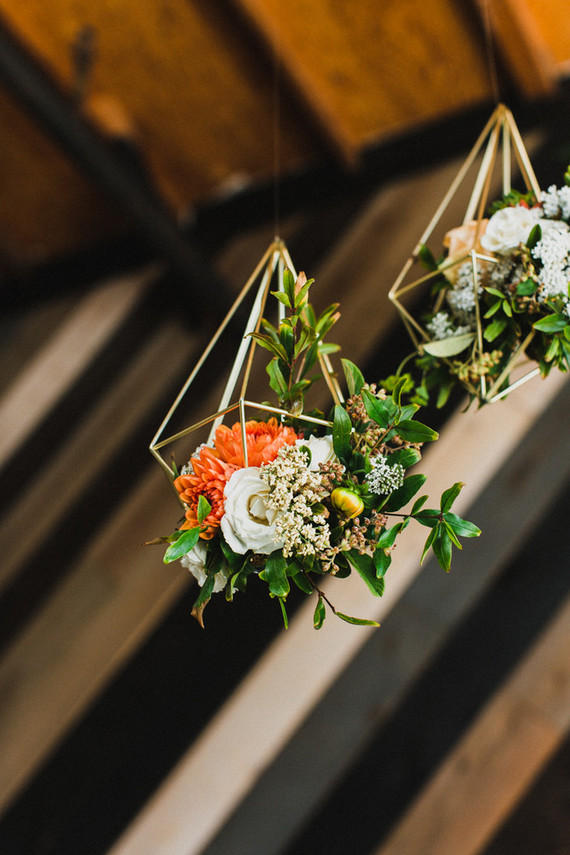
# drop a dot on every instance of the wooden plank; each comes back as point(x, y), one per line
point(521, 42)
point(496, 761)
point(359, 92)
point(218, 124)
point(56, 366)
point(269, 25)
point(47, 207)
point(94, 441)
point(199, 795)
point(287, 797)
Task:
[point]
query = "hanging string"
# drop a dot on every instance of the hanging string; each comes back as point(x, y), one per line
point(490, 50)
point(276, 127)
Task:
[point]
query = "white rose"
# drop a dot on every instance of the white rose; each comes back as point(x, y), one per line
point(509, 227)
point(321, 448)
point(195, 562)
point(247, 522)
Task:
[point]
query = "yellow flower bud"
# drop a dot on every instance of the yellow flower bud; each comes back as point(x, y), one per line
point(347, 501)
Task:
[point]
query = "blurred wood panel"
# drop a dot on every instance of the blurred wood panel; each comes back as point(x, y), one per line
point(522, 42)
point(552, 21)
point(197, 97)
point(47, 207)
point(498, 758)
point(368, 70)
point(58, 364)
point(190, 86)
point(199, 795)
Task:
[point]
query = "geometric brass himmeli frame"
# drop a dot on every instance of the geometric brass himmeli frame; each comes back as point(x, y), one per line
point(268, 272)
point(500, 132)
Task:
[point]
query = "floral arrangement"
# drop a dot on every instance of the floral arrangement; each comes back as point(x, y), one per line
point(511, 299)
point(317, 498)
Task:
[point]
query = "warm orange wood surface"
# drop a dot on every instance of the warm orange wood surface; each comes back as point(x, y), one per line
point(191, 84)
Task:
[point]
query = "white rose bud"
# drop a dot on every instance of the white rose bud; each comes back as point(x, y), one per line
point(247, 522)
point(321, 448)
point(195, 562)
point(508, 228)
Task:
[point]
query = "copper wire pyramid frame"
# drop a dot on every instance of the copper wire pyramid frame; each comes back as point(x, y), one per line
point(267, 273)
point(500, 133)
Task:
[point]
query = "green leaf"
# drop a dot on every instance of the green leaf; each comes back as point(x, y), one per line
point(403, 494)
point(426, 257)
point(494, 308)
point(356, 620)
point(419, 503)
point(300, 581)
point(526, 288)
point(184, 544)
point(319, 614)
point(387, 538)
point(283, 298)
point(416, 431)
point(383, 412)
point(495, 329)
point(382, 561)
point(408, 412)
point(284, 613)
point(507, 309)
point(452, 536)
point(534, 236)
point(364, 566)
point(269, 344)
point(429, 517)
point(462, 527)
point(449, 346)
point(354, 376)
point(342, 427)
point(203, 599)
point(287, 339)
point(302, 293)
point(276, 379)
point(551, 324)
point(204, 508)
point(430, 539)
point(405, 456)
point(495, 292)
point(289, 285)
point(442, 548)
point(449, 496)
point(275, 574)
point(443, 394)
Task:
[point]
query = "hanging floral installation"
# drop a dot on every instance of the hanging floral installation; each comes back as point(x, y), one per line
point(499, 299)
point(293, 496)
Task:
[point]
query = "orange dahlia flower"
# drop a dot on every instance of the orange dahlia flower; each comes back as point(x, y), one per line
point(264, 439)
point(209, 477)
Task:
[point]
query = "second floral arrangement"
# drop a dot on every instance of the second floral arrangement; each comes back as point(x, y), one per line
point(297, 497)
point(500, 294)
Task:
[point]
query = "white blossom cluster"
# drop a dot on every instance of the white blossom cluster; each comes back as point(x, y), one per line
point(506, 270)
point(553, 252)
point(384, 477)
point(461, 298)
point(293, 491)
point(442, 326)
point(556, 202)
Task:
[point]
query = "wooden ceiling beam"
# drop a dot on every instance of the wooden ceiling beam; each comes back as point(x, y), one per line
point(526, 54)
point(289, 55)
point(31, 85)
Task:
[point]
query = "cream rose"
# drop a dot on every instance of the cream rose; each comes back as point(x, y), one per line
point(459, 243)
point(247, 522)
point(321, 448)
point(509, 227)
point(195, 562)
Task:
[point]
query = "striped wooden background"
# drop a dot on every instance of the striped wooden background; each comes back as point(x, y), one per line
point(125, 729)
